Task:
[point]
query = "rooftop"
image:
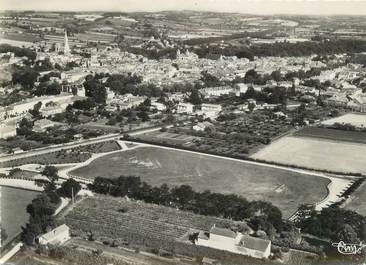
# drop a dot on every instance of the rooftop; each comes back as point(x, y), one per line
point(254, 243)
point(222, 232)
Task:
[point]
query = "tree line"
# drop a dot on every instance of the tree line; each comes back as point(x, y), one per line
point(19, 52)
point(230, 206)
point(284, 49)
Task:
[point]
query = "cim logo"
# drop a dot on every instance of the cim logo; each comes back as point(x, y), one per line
point(349, 249)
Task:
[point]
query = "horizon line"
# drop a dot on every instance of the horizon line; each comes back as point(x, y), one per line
point(182, 10)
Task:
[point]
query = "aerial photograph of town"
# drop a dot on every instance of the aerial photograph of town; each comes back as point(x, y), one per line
point(169, 133)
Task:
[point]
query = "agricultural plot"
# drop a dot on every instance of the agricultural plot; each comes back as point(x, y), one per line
point(316, 153)
point(283, 188)
point(59, 157)
point(168, 137)
point(333, 134)
point(136, 222)
point(74, 155)
point(356, 202)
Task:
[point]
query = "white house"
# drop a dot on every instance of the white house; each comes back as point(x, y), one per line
point(225, 239)
point(240, 88)
point(42, 125)
point(185, 108)
point(216, 91)
point(7, 130)
point(57, 236)
point(201, 126)
point(158, 106)
point(211, 110)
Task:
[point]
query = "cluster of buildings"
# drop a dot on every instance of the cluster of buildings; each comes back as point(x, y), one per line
point(234, 242)
point(206, 110)
point(12, 114)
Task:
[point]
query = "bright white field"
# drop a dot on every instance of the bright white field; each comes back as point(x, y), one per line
point(317, 154)
point(358, 120)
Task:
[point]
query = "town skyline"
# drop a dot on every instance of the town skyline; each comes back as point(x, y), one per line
point(257, 7)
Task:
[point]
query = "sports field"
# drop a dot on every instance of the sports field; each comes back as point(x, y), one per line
point(316, 153)
point(283, 188)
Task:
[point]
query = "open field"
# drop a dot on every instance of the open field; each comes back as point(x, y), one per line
point(355, 119)
point(283, 188)
point(333, 134)
point(13, 210)
point(316, 153)
point(357, 200)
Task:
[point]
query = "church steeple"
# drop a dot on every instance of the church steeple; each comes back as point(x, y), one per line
point(66, 45)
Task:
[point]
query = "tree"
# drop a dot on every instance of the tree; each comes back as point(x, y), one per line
point(36, 108)
point(69, 188)
point(25, 77)
point(86, 104)
point(51, 172)
point(143, 116)
point(251, 106)
point(276, 75)
point(24, 127)
point(195, 97)
point(41, 218)
point(347, 234)
point(251, 77)
point(95, 90)
point(48, 89)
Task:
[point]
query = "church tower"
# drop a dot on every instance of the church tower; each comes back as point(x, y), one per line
point(66, 45)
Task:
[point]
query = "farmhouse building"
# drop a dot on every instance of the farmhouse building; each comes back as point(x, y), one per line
point(225, 239)
point(57, 236)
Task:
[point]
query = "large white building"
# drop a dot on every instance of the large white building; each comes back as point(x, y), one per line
point(225, 239)
point(216, 91)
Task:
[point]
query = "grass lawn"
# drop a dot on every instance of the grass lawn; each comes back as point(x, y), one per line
point(316, 153)
point(333, 134)
point(285, 189)
point(357, 200)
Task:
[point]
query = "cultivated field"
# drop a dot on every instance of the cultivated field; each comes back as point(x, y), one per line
point(355, 119)
point(316, 153)
point(357, 200)
point(135, 217)
point(333, 134)
point(285, 189)
point(147, 227)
